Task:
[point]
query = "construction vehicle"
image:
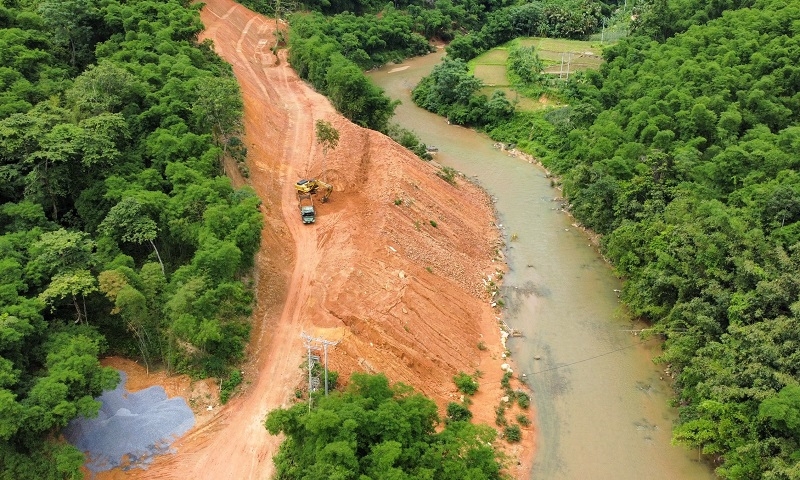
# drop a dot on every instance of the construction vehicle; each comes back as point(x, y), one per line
point(312, 187)
point(306, 205)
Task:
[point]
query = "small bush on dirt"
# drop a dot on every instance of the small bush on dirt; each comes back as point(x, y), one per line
point(506, 381)
point(448, 174)
point(500, 415)
point(398, 201)
point(482, 346)
point(523, 420)
point(458, 412)
point(523, 400)
point(434, 224)
point(408, 139)
point(229, 385)
point(512, 433)
point(465, 383)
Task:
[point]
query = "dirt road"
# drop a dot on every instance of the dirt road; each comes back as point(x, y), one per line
point(395, 267)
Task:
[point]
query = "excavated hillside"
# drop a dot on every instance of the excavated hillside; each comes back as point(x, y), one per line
point(394, 269)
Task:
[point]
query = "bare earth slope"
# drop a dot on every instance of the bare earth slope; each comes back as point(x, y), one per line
point(403, 296)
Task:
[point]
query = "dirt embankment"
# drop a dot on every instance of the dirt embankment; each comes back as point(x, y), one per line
point(394, 268)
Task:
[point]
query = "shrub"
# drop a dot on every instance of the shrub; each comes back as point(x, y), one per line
point(500, 415)
point(523, 400)
point(506, 381)
point(333, 379)
point(448, 174)
point(523, 420)
point(229, 385)
point(512, 433)
point(465, 383)
point(458, 412)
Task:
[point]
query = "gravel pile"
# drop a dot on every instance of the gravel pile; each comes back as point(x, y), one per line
point(131, 427)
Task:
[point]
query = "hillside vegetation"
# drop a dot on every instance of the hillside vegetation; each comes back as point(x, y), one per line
point(683, 154)
point(118, 230)
point(376, 430)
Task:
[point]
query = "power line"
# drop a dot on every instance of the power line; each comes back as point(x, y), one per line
point(590, 358)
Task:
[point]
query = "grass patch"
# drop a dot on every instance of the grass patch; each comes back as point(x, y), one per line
point(492, 75)
point(496, 56)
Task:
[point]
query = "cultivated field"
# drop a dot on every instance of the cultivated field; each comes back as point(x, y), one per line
point(561, 58)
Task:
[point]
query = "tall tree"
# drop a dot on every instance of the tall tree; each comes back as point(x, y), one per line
point(219, 104)
point(328, 137)
point(127, 221)
point(71, 284)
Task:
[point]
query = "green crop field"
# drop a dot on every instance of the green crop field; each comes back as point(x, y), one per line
point(495, 56)
point(492, 75)
point(559, 56)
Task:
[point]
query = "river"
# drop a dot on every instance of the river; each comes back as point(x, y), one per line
point(601, 403)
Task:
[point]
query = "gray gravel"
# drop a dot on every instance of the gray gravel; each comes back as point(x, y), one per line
point(131, 429)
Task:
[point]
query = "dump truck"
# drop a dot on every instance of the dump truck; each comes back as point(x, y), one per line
point(306, 205)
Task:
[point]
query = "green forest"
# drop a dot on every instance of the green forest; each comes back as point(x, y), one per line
point(119, 232)
point(682, 151)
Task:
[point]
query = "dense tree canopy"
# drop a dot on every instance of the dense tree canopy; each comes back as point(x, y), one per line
point(117, 229)
point(682, 152)
point(377, 430)
point(450, 90)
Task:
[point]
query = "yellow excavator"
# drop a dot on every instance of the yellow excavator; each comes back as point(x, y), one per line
point(305, 190)
point(312, 187)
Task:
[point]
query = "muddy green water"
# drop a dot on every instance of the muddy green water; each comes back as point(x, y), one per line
point(601, 407)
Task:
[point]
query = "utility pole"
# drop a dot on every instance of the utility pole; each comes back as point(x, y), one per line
point(603, 33)
point(313, 343)
point(569, 60)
